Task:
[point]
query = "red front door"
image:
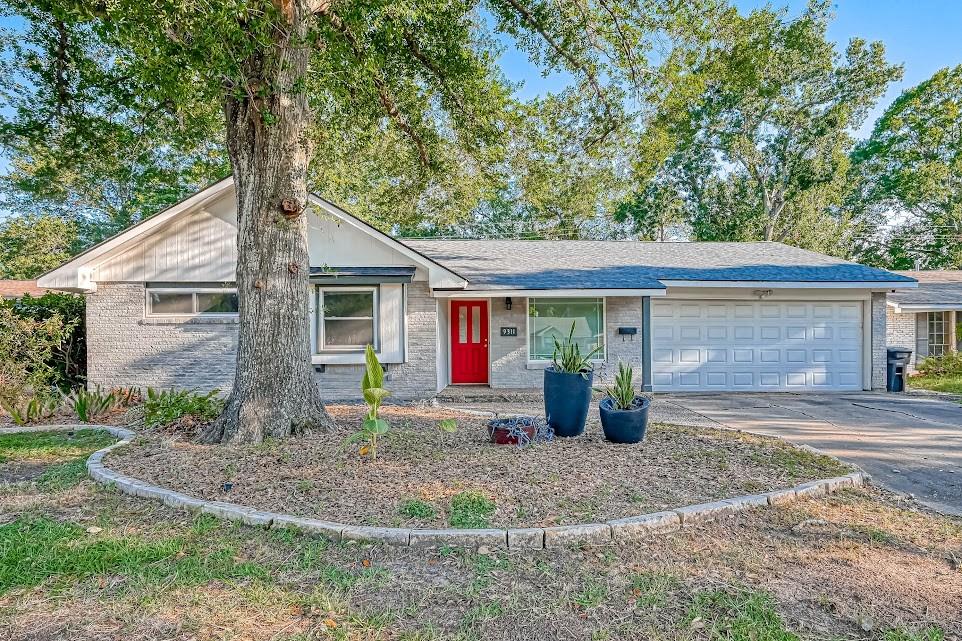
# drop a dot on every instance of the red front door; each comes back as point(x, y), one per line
point(469, 341)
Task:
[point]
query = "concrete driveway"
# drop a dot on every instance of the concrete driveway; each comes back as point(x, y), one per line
point(910, 444)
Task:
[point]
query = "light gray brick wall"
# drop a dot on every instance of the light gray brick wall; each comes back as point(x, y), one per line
point(509, 355)
point(900, 331)
point(417, 377)
point(879, 340)
point(124, 348)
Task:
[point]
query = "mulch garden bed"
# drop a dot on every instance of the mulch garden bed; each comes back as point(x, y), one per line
point(419, 470)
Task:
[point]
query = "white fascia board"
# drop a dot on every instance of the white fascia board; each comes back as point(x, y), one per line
point(765, 284)
point(925, 307)
point(438, 274)
point(547, 293)
point(75, 274)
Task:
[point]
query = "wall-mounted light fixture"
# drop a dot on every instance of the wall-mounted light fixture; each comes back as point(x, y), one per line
point(762, 293)
point(507, 303)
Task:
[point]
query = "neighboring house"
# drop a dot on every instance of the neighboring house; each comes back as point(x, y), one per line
point(927, 319)
point(161, 307)
point(14, 289)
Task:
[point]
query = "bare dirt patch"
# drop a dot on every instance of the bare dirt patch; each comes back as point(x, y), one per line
point(563, 482)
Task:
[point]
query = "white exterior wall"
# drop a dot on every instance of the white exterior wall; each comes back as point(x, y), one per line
point(879, 340)
point(199, 246)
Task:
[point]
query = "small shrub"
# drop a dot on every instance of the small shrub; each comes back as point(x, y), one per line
point(946, 365)
point(27, 346)
point(470, 510)
point(416, 509)
point(168, 406)
point(68, 359)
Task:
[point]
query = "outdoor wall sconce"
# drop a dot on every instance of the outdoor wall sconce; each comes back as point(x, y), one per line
point(507, 303)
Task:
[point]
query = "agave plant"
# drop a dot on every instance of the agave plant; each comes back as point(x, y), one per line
point(622, 393)
point(568, 358)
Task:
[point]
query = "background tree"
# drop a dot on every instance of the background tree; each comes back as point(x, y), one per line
point(769, 114)
point(32, 244)
point(911, 167)
point(83, 143)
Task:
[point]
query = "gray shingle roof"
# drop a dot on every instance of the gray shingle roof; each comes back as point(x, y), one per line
point(591, 264)
point(941, 287)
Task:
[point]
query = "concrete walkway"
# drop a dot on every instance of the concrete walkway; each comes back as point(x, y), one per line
point(910, 444)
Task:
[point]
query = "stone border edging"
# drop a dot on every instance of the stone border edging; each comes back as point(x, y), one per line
point(624, 530)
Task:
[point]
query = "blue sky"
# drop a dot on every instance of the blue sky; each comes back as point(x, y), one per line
point(923, 35)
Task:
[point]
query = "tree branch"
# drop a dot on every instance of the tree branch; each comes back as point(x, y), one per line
point(573, 62)
point(383, 91)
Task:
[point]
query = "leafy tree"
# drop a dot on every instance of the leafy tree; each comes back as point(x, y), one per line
point(912, 165)
point(33, 244)
point(68, 359)
point(84, 144)
point(769, 111)
point(279, 71)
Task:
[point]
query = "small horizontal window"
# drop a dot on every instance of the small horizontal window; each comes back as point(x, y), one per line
point(191, 303)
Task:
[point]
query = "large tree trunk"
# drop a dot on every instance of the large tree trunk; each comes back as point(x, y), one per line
point(275, 393)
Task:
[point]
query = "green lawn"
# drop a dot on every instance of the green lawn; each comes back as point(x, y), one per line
point(52, 446)
point(951, 384)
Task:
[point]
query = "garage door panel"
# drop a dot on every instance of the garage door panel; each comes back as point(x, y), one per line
point(708, 345)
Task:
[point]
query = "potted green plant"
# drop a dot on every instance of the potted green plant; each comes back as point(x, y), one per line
point(567, 386)
point(624, 415)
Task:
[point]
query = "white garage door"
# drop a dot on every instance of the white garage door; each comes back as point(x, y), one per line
point(756, 346)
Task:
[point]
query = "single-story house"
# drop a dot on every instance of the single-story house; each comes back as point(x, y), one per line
point(927, 319)
point(14, 289)
point(161, 307)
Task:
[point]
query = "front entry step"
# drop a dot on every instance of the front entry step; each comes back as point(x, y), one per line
point(485, 394)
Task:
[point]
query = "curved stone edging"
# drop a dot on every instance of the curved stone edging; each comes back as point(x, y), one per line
point(614, 531)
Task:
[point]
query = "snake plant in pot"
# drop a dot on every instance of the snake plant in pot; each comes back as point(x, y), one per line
point(624, 416)
point(567, 386)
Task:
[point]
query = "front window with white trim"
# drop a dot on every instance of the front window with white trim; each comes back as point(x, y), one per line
point(552, 318)
point(346, 319)
point(939, 332)
point(169, 301)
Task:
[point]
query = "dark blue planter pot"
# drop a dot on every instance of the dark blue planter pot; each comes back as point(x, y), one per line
point(624, 426)
point(566, 400)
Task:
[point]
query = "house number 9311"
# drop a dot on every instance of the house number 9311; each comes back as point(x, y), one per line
point(509, 331)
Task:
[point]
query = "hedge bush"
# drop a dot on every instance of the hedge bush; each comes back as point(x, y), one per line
point(946, 365)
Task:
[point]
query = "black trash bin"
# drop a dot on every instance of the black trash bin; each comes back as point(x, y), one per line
point(898, 362)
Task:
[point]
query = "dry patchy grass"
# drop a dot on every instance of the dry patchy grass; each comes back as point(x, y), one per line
point(86, 563)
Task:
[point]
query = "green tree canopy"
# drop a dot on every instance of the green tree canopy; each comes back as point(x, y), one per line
point(911, 166)
point(32, 244)
point(757, 141)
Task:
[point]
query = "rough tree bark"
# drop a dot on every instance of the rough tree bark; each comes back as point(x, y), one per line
point(275, 393)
